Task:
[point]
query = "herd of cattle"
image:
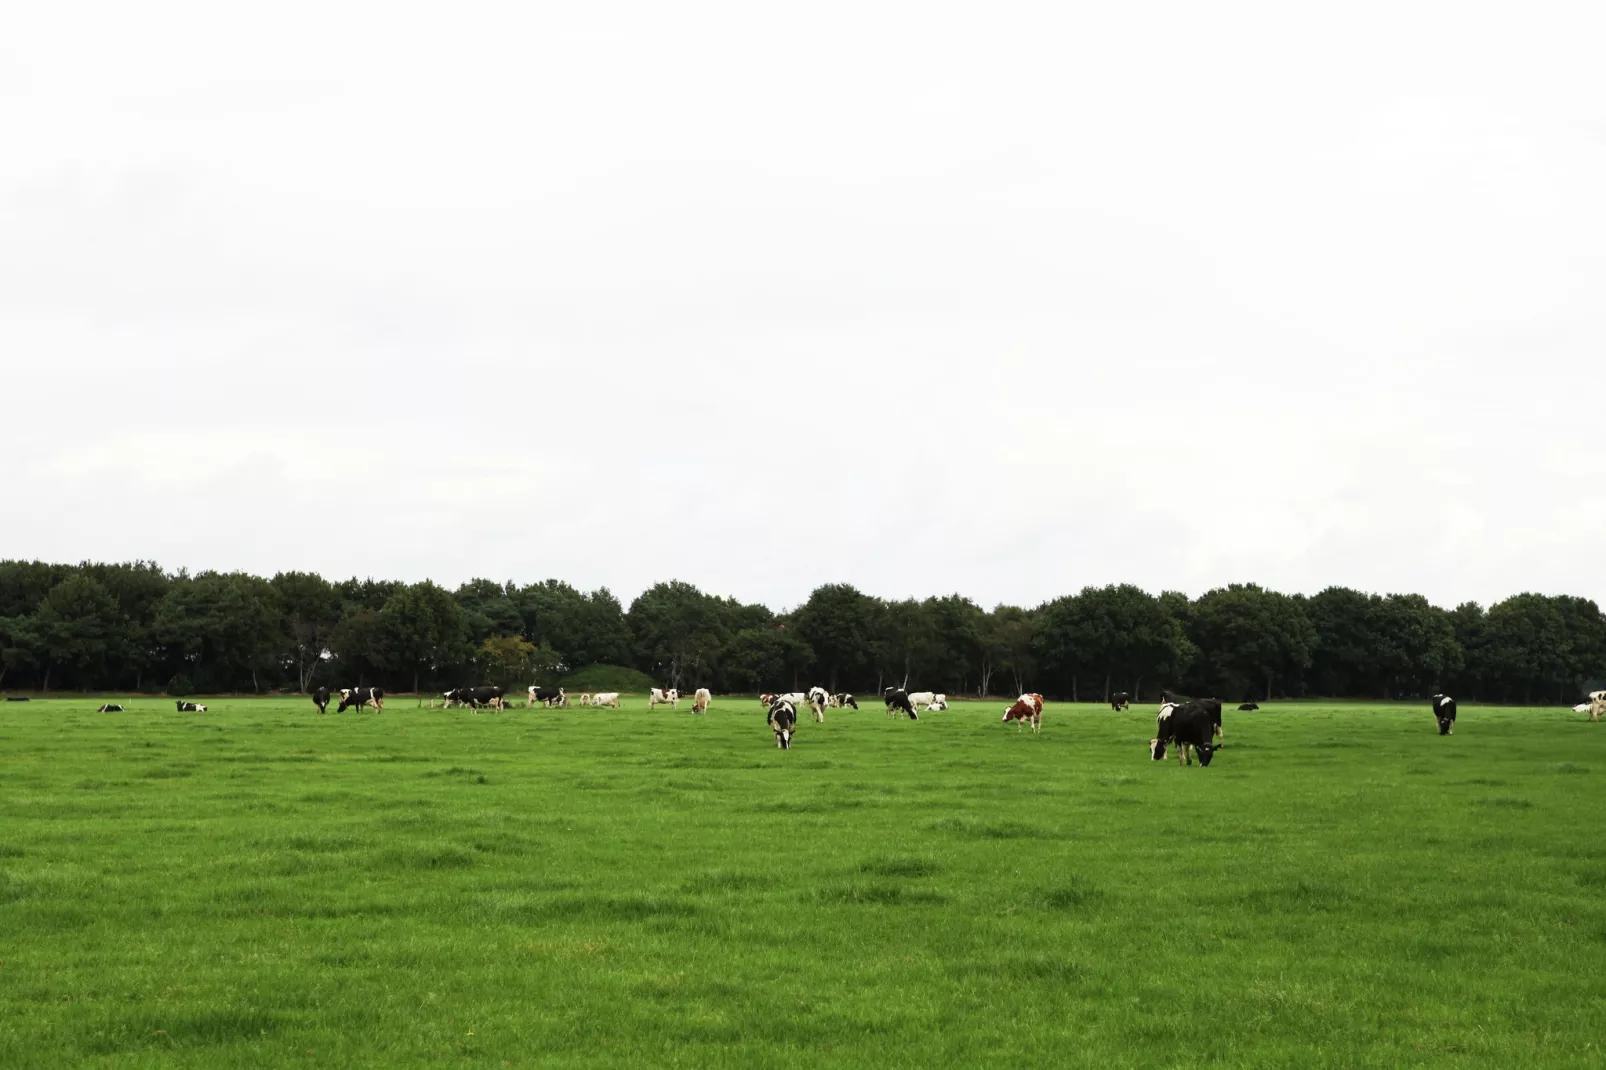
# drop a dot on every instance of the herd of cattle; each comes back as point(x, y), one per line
point(1192, 726)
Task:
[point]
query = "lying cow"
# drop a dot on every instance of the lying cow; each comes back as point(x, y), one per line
point(1120, 700)
point(606, 698)
point(783, 722)
point(320, 699)
point(818, 699)
point(1247, 706)
point(190, 707)
point(1444, 713)
point(898, 699)
point(1189, 727)
point(1028, 709)
point(110, 707)
point(362, 698)
point(547, 696)
point(700, 700)
point(656, 698)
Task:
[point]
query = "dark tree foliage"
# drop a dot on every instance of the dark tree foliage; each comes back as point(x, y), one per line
point(133, 626)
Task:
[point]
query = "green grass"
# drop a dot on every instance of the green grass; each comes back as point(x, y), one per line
point(259, 886)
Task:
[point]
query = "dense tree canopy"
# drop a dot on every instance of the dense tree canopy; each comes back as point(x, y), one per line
point(135, 627)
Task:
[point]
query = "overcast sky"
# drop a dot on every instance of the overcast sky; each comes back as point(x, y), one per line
point(1003, 299)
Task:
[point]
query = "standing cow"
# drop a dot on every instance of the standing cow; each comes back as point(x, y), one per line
point(606, 698)
point(1444, 713)
point(1597, 705)
point(783, 722)
point(1189, 727)
point(844, 700)
point(701, 699)
point(361, 698)
point(656, 698)
point(1028, 709)
point(1120, 700)
point(320, 699)
point(897, 700)
point(547, 696)
point(818, 699)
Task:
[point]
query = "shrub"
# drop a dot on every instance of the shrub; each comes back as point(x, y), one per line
point(180, 685)
point(608, 678)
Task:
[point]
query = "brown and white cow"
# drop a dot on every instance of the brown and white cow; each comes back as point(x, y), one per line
point(659, 697)
point(700, 700)
point(1027, 709)
point(1597, 705)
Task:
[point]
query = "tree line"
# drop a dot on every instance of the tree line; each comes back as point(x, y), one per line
point(135, 627)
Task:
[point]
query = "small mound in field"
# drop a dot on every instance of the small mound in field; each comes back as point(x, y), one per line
point(878, 893)
point(900, 867)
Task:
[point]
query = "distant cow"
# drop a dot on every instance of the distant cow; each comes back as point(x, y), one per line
point(606, 698)
point(818, 699)
point(190, 707)
point(320, 699)
point(1582, 707)
point(928, 700)
point(783, 722)
point(1120, 700)
point(361, 698)
point(547, 696)
point(1189, 727)
point(1028, 709)
point(700, 700)
point(1444, 713)
point(1597, 705)
point(110, 707)
point(656, 698)
point(898, 699)
point(1246, 707)
point(844, 699)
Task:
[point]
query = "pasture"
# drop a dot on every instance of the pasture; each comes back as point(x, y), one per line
point(261, 886)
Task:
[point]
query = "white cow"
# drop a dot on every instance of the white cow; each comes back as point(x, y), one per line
point(1582, 707)
point(606, 698)
point(928, 700)
point(700, 700)
point(1597, 705)
point(657, 697)
point(818, 699)
point(582, 698)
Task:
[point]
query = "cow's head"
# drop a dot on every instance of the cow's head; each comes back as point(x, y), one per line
point(1157, 749)
point(1205, 751)
point(1444, 726)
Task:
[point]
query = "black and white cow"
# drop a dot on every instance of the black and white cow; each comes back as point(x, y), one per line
point(110, 707)
point(547, 696)
point(1120, 700)
point(1247, 706)
point(898, 699)
point(844, 700)
point(190, 707)
point(1187, 726)
point(361, 698)
point(1444, 713)
point(1597, 705)
point(818, 699)
point(783, 722)
point(320, 699)
point(661, 697)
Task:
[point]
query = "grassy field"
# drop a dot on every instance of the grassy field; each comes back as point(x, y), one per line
point(258, 885)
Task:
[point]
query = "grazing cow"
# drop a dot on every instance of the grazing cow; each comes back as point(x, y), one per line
point(1597, 705)
point(361, 698)
point(547, 696)
point(767, 699)
point(656, 698)
point(110, 707)
point(1120, 700)
point(582, 698)
point(898, 699)
point(190, 707)
point(1444, 713)
point(844, 699)
point(320, 699)
point(606, 698)
point(1028, 709)
point(1189, 727)
point(818, 699)
point(1246, 707)
point(701, 699)
point(783, 722)
point(928, 700)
